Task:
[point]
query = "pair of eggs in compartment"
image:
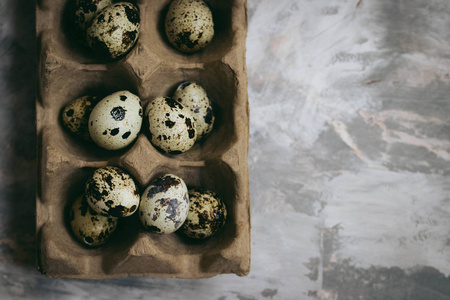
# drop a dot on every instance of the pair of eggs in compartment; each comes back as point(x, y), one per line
point(167, 206)
point(112, 123)
point(115, 121)
point(110, 193)
point(164, 207)
point(109, 29)
point(176, 123)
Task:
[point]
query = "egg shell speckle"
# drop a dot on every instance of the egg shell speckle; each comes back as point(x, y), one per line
point(164, 204)
point(116, 120)
point(75, 116)
point(115, 30)
point(189, 25)
point(112, 192)
point(90, 228)
point(194, 97)
point(171, 126)
point(207, 214)
point(83, 12)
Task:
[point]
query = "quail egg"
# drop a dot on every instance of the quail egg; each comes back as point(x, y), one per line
point(189, 25)
point(206, 216)
point(75, 116)
point(193, 96)
point(171, 125)
point(112, 192)
point(116, 120)
point(89, 227)
point(164, 204)
point(115, 30)
point(83, 13)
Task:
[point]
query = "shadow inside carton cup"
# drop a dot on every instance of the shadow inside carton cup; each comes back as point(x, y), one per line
point(18, 132)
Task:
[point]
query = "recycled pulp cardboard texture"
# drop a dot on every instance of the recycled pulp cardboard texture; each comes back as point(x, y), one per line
point(153, 68)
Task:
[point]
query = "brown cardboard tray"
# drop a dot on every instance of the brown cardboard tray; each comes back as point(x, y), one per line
point(153, 68)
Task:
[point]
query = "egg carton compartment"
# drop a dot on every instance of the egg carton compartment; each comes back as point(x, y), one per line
point(134, 251)
point(215, 176)
point(220, 82)
point(65, 85)
point(58, 250)
point(219, 162)
point(225, 28)
point(54, 16)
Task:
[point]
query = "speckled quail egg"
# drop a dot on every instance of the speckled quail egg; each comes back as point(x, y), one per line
point(193, 96)
point(112, 192)
point(75, 116)
point(171, 125)
point(89, 227)
point(189, 25)
point(164, 204)
point(206, 216)
point(116, 120)
point(83, 11)
point(115, 30)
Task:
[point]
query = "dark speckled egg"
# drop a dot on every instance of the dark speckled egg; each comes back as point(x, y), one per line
point(164, 204)
point(194, 97)
point(112, 192)
point(75, 116)
point(189, 25)
point(83, 12)
point(115, 30)
point(206, 216)
point(90, 228)
point(171, 125)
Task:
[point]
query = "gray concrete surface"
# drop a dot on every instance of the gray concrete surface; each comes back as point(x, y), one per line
point(349, 157)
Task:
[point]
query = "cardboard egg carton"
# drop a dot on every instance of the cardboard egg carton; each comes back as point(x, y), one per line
point(153, 68)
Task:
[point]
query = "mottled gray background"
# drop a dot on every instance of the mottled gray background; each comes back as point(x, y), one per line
point(349, 157)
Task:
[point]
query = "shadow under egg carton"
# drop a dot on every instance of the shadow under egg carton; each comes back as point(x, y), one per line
point(219, 162)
